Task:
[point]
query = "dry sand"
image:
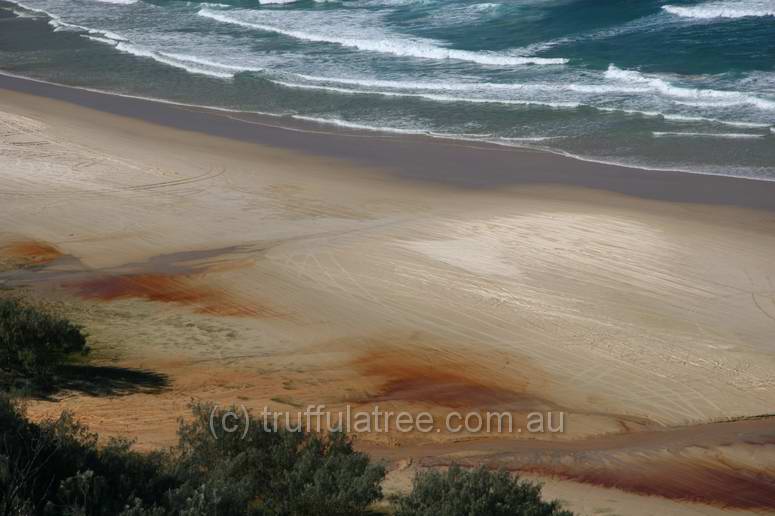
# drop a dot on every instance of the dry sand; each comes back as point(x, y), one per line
point(254, 274)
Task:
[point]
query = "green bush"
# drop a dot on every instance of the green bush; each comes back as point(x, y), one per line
point(272, 472)
point(57, 469)
point(474, 493)
point(34, 343)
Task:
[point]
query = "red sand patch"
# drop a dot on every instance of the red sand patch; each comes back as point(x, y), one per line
point(681, 478)
point(31, 252)
point(446, 381)
point(181, 289)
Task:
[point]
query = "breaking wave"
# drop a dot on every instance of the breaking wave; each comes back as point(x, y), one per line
point(724, 9)
point(421, 49)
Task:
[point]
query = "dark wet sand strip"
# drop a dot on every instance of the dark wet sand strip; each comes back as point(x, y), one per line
point(418, 157)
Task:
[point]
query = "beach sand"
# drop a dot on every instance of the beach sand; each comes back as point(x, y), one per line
point(242, 263)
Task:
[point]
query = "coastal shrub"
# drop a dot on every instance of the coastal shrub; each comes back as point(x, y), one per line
point(458, 492)
point(33, 343)
point(56, 468)
point(273, 472)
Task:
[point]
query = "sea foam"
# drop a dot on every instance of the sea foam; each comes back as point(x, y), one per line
point(404, 47)
point(724, 9)
point(58, 24)
point(477, 86)
point(733, 136)
point(118, 2)
point(696, 94)
point(189, 66)
point(433, 96)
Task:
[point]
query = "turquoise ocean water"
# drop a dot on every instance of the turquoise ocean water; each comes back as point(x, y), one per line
point(676, 84)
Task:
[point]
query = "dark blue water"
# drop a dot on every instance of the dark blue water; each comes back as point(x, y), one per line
point(660, 84)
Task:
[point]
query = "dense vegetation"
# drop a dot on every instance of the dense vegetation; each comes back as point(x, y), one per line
point(57, 468)
point(34, 343)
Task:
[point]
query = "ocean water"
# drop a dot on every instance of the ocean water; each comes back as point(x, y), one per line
point(671, 84)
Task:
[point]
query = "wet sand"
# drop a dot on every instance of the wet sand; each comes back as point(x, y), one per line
point(258, 265)
point(416, 157)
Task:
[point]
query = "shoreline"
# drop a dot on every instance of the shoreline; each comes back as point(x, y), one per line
point(408, 156)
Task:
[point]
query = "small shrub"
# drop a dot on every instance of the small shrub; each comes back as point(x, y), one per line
point(56, 468)
point(474, 493)
point(273, 472)
point(34, 343)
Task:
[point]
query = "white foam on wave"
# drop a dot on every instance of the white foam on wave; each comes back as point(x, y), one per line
point(394, 89)
point(269, 2)
point(189, 66)
point(362, 127)
point(673, 117)
point(469, 137)
point(118, 2)
point(477, 86)
point(24, 14)
point(58, 24)
point(182, 61)
point(527, 138)
point(695, 94)
point(733, 136)
point(31, 9)
point(430, 96)
point(404, 47)
point(192, 64)
point(724, 9)
point(209, 62)
point(99, 39)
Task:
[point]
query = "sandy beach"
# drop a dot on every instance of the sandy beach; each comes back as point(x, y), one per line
point(244, 260)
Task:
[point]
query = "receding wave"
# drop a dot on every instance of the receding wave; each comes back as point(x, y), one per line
point(428, 90)
point(432, 96)
point(733, 136)
point(707, 95)
point(58, 24)
point(363, 127)
point(209, 62)
point(470, 137)
point(177, 62)
point(476, 86)
point(189, 63)
point(724, 9)
point(421, 49)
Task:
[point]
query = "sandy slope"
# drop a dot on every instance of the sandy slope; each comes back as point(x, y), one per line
point(255, 276)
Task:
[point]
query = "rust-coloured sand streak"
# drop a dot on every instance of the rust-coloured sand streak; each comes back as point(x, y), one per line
point(709, 481)
point(30, 252)
point(407, 375)
point(180, 289)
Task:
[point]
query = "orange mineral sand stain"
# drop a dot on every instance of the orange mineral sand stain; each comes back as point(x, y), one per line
point(30, 252)
point(186, 290)
point(442, 380)
point(680, 478)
